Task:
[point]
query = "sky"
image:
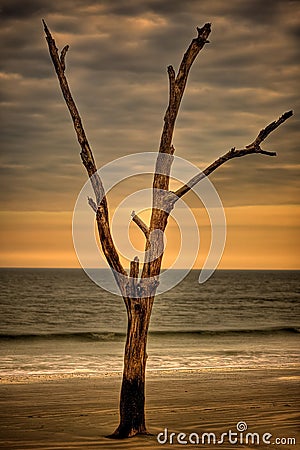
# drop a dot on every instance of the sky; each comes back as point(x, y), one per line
point(246, 77)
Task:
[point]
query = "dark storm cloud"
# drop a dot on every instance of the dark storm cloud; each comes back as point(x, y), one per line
point(16, 10)
point(116, 66)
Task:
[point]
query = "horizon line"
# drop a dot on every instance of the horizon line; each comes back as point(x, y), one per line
point(162, 270)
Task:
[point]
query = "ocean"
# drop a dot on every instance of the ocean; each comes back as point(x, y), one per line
point(58, 322)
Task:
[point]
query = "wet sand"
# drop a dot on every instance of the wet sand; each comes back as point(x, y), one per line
point(53, 413)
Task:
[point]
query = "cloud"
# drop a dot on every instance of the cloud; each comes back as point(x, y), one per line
point(245, 78)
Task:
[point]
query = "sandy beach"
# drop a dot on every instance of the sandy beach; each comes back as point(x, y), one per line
point(77, 412)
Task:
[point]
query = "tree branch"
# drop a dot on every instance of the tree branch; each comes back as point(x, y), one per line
point(63, 56)
point(189, 57)
point(269, 128)
point(159, 217)
point(134, 268)
point(87, 157)
point(254, 147)
point(141, 224)
point(171, 73)
point(92, 204)
point(176, 90)
point(132, 285)
point(86, 152)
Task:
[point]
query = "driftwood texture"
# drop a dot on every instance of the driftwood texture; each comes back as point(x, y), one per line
point(138, 288)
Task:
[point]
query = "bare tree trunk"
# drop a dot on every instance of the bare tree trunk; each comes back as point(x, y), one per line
point(139, 294)
point(132, 399)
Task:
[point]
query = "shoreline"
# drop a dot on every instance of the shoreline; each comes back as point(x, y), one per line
point(44, 377)
point(78, 412)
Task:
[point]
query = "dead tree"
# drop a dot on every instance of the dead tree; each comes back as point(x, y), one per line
point(138, 288)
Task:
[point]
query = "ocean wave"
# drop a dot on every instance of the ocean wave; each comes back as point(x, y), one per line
point(82, 336)
point(119, 336)
point(231, 331)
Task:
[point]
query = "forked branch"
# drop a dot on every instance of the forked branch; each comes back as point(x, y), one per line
point(254, 147)
point(266, 131)
point(177, 83)
point(159, 216)
point(176, 90)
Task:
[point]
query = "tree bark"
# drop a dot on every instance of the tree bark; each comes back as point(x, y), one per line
point(139, 294)
point(132, 398)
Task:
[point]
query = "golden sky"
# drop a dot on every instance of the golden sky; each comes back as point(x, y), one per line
point(244, 79)
point(258, 237)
